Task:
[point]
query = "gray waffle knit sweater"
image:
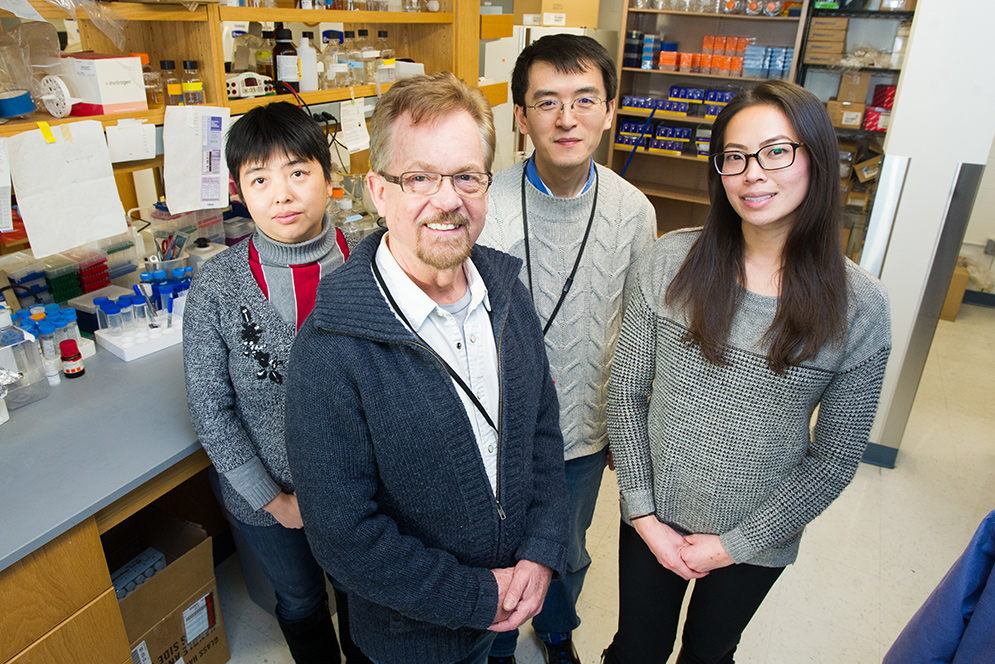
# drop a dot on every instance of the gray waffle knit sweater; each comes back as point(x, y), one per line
point(236, 346)
point(726, 450)
point(582, 339)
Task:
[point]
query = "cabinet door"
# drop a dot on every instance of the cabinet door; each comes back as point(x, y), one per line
point(46, 587)
point(94, 635)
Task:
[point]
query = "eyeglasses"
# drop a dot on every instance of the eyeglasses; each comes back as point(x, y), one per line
point(581, 105)
point(423, 183)
point(771, 158)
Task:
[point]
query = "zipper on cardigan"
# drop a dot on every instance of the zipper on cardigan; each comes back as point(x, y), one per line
point(497, 491)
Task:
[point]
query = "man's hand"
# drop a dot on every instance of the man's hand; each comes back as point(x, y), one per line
point(525, 595)
point(705, 553)
point(503, 576)
point(666, 544)
point(285, 510)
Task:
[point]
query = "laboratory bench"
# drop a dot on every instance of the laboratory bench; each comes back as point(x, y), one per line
point(73, 465)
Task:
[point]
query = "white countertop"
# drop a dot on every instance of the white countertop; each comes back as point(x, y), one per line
point(90, 442)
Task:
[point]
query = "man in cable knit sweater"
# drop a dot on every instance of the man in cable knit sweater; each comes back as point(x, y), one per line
point(579, 228)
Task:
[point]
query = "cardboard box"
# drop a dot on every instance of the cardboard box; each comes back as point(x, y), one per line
point(828, 59)
point(825, 47)
point(955, 294)
point(828, 23)
point(825, 34)
point(557, 13)
point(175, 614)
point(105, 83)
point(854, 86)
point(845, 114)
point(868, 170)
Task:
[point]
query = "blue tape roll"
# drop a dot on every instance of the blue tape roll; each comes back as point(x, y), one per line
point(14, 103)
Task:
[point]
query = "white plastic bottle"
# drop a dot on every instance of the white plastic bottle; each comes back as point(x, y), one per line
point(307, 58)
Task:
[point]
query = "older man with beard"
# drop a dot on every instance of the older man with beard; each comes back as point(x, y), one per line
point(422, 423)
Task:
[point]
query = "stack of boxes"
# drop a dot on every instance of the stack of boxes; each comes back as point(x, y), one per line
point(649, 55)
point(878, 115)
point(62, 276)
point(91, 268)
point(28, 272)
point(847, 110)
point(826, 40)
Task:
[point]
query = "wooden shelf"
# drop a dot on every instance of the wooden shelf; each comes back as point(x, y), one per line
point(496, 93)
point(240, 106)
point(130, 11)
point(716, 77)
point(663, 116)
point(863, 13)
point(264, 14)
point(737, 17)
point(843, 70)
point(683, 157)
point(16, 126)
point(672, 193)
point(496, 26)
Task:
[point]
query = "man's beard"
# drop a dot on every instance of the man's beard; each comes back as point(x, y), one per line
point(445, 253)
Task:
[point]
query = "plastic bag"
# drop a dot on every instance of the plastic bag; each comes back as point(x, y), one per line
point(36, 45)
point(106, 20)
point(978, 273)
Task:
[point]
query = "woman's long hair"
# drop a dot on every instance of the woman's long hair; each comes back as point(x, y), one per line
point(811, 307)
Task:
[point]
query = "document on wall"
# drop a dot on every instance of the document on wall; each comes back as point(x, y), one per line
point(131, 140)
point(194, 168)
point(65, 188)
point(6, 219)
point(354, 132)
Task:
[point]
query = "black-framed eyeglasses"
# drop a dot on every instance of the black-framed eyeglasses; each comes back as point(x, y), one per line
point(772, 157)
point(581, 105)
point(426, 183)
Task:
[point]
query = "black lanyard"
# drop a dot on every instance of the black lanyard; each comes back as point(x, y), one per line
point(452, 372)
point(580, 252)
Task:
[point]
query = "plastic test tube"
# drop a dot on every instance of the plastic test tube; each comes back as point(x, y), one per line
point(61, 329)
point(141, 312)
point(99, 303)
point(72, 327)
point(113, 319)
point(46, 331)
point(127, 313)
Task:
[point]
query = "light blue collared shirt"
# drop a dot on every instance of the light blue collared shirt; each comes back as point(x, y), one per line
point(470, 350)
point(533, 175)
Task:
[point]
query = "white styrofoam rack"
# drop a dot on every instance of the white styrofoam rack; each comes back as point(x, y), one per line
point(134, 345)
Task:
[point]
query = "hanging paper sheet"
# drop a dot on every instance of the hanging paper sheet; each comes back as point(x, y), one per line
point(65, 186)
point(194, 168)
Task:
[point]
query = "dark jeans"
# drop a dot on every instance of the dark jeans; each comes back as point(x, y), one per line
point(559, 610)
point(650, 598)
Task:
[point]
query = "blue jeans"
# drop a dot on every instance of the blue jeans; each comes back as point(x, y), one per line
point(290, 566)
point(479, 653)
point(559, 612)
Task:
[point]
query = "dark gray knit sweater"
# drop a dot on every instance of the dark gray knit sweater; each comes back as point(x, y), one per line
point(727, 450)
point(236, 345)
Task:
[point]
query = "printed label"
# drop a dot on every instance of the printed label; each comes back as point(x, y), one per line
point(140, 654)
point(196, 618)
point(86, 67)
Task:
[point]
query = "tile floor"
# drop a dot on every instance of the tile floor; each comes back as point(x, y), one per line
point(865, 565)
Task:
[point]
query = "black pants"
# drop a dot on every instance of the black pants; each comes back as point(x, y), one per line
point(650, 598)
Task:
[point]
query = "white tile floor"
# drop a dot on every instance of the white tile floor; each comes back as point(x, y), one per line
point(865, 565)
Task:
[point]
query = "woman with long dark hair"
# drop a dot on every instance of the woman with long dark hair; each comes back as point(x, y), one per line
point(733, 335)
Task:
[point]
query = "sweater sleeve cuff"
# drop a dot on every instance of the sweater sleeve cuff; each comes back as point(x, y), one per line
point(487, 600)
point(253, 483)
point(736, 545)
point(634, 503)
point(544, 552)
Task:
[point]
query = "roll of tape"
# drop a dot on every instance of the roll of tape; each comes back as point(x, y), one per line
point(14, 103)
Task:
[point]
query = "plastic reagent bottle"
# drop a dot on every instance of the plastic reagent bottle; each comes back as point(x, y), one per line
point(264, 55)
point(370, 57)
point(307, 56)
point(285, 58)
point(153, 82)
point(192, 85)
point(172, 87)
point(354, 56)
point(387, 67)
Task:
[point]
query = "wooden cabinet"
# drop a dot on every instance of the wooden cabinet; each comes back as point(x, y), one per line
point(676, 184)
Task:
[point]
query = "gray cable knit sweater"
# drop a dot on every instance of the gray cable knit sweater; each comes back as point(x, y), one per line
point(726, 450)
point(582, 338)
point(236, 346)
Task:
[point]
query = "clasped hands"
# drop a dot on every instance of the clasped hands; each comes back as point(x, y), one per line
point(690, 557)
point(521, 591)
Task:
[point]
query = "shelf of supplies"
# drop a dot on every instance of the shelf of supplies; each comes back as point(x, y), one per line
point(17, 125)
point(240, 106)
point(672, 193)
point(862, 13)
point(128, 11)
point(738, 17)
point(683, 157)
point(843, 70)
point(645, 113)
point(693, 75)
point(265, 14)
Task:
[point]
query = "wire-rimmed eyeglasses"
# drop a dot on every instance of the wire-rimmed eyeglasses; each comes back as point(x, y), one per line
point(580, 105)
point(426, 183)
point(772, 157)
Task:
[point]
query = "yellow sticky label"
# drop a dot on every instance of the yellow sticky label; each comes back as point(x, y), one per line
point(388, 62)
point(46, 132)
point(174, 89)
point(195, 86)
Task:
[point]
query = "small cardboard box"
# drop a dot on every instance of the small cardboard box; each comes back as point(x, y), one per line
point(825, 34)
point(828, 59)
point(105, 83)
point(825, 47)
point(176, 613)
point(828, 23)
point(955, 294)
point(557, 13)
point(854, 86)
point(868, 170)
point(845, 114)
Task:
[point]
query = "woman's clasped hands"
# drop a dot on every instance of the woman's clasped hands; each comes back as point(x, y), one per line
point(690, 557)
